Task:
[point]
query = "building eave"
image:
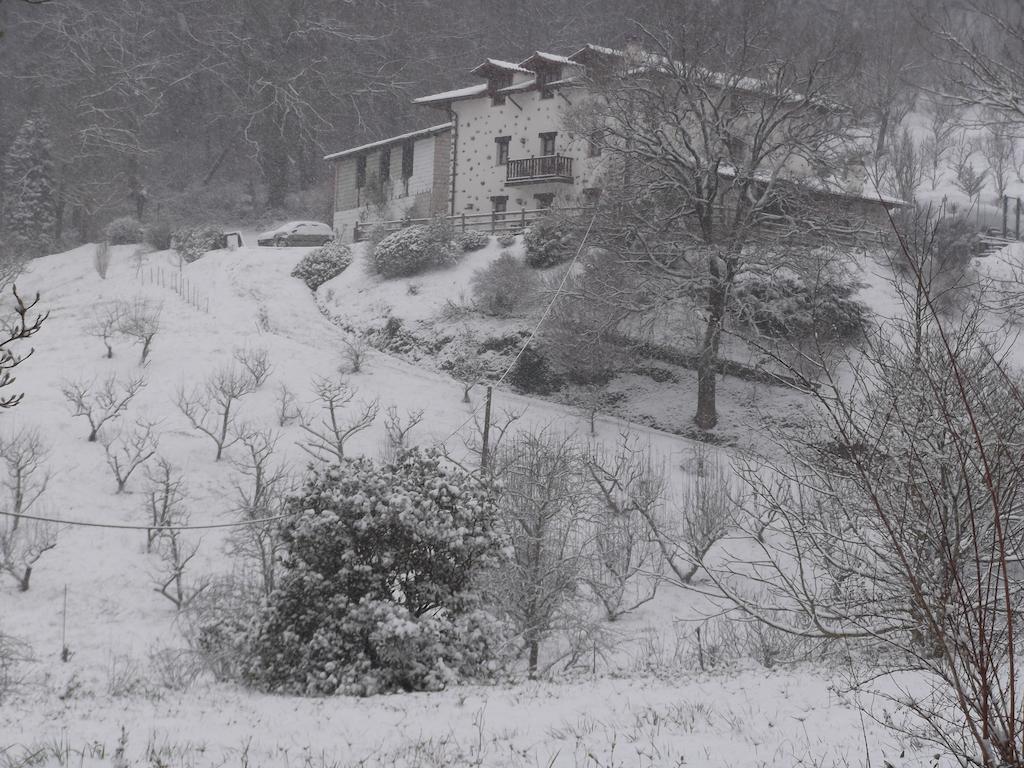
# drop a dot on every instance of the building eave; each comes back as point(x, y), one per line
point(420, 134)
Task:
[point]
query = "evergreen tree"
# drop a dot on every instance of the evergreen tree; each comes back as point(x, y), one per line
point(28, 213)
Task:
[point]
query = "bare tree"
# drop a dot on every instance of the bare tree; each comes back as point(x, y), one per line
point(20, 328)
point(261, 491)
point(25, 477)
point(998, 148)
point(396, 431)
point(105, 324)
point(288, 409)
point(708, 153)
point(127, 451)
point(702, 512)
point(164, 494)
point(210, 407)
point(897, 522)
point(165, 503)
point(967, 177)
point(24, 455)
point(941, 125)
point(622, 565)
point(907, 165)
point(326, 440)
point(355, 352)
point(100, 403)
point(256, 361)
point(140, 320)
point(543, 507)
point(22, 545)
point(984, 55)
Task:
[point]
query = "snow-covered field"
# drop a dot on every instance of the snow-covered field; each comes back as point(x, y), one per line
point(649, 706)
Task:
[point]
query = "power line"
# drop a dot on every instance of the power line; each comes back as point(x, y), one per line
point(154, 527)
point(536, 328)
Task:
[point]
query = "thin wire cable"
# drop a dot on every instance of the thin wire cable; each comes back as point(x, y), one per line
point(533, 334)
point(133, 527)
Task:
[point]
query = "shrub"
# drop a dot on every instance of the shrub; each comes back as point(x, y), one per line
point(193, 242)
point(377, 585)
point(412, 250)
point(323, 263)
point(158, 234)
point(784, 306)
point(532, 373)
point(471, 240)
point(549, 241)
point(124, 230)
point(503, 285)
point(507, 240)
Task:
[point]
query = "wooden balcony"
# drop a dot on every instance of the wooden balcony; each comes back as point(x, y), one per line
point(536, 170)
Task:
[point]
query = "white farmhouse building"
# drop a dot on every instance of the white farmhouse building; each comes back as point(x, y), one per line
point(500, 156)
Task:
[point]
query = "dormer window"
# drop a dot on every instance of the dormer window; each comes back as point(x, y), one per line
point(495, 84)
point(546, 76)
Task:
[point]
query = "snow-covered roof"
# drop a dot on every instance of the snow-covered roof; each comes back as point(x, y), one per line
point(526, 85)
point(591, 48)
point(505, 66)
point(422, 133)
point(548, 58)
point(459, 93)
point(831, 188)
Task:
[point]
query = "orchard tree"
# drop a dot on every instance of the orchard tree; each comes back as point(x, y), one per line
point(710, 132)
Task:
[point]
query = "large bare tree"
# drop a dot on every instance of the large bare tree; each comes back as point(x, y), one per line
point(719, 142)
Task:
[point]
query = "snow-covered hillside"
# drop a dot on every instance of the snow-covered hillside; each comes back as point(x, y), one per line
point(648, 706)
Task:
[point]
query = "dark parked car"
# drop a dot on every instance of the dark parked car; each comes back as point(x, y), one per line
point(297, 233)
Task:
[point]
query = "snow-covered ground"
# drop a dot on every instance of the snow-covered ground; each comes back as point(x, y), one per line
point(650, 706)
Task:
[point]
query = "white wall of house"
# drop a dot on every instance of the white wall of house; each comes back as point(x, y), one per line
point(398, 197)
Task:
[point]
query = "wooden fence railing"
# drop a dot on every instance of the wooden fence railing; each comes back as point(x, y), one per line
point(771, 228)
point(494, 222)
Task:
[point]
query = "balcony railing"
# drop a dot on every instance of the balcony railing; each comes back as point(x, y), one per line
point(532, 170)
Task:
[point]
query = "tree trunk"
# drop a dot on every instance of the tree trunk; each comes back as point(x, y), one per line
point(531, 664)
point(23, 581)
point(707, 364)
point(883, 131)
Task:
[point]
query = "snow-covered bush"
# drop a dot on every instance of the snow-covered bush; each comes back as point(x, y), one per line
point(158, 234)
point(506, 240)
point(124, 230)
point(377, 590)
point(471, 240)
point(413, 250)
point(323, 263)
point(785, 306)
point(549, 241)
point(532, 373)
point(502, 286)
point(193, 242)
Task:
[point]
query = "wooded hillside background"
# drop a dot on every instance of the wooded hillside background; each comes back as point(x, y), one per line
point(223, 110)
